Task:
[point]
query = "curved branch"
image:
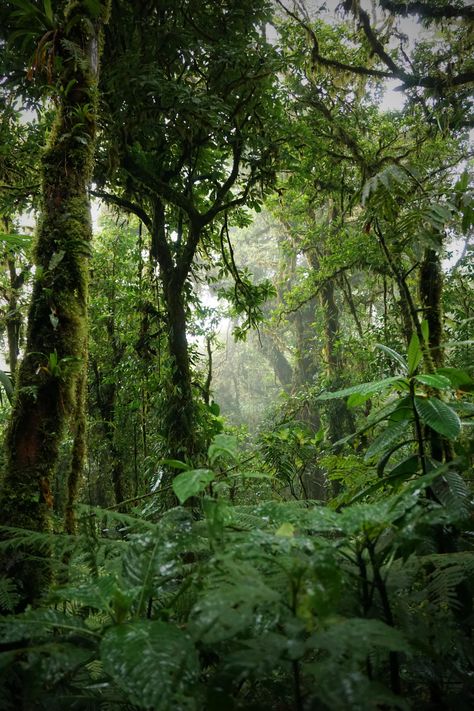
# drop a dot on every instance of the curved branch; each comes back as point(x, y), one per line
point(125, 204)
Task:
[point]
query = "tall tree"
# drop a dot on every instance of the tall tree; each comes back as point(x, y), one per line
point(193, 139)
point(50, 378)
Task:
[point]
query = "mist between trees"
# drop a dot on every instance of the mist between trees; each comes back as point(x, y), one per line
point(236, 405)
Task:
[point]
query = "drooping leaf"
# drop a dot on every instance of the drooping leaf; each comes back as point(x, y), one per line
point(382, 463)
point(393, 354)
point(385, 438)
point(458, 378)
point(440, 382)
point(414, 354)
point(175, 464)
point(222, 445)
point(191, 482)
point(364, 389)
point(439, 416)
point(153, 662)
point(408, 466)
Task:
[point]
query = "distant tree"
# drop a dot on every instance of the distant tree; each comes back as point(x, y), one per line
point(191, 137)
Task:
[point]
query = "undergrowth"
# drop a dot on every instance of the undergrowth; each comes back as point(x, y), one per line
point(280, 605)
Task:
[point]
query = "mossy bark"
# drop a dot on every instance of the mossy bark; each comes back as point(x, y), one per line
point(46, 393)
point(78, 452)
point(431, 288)
point(180, 415)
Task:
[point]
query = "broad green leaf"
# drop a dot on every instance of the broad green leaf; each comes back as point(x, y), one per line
point(406, 467)
point(440, 382)
point(364, 388)
point(175, 464)
point(222, 444)
point(214, 409)
point(357, 399)
point(458, 378)
point(414, 354)
point(439, 416)
point(385, 438)
point(154, 663)
point(356, 637)
point(387, 456)
point(393, 354)
point(191, 482)
point(287, 530)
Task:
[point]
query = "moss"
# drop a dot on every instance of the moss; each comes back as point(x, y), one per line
point(431, 287)
point(78, 452)
point(49, 389)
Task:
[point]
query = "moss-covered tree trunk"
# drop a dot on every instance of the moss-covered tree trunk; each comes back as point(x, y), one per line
point(48, 377)
point(431, 288)
point(180, 416)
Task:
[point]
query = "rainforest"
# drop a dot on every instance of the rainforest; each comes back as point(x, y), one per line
point(236, 327)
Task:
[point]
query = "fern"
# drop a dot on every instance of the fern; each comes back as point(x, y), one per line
point(9, 596)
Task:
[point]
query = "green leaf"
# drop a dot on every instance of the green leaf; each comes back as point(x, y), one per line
point(458, 378)
point(154, 663)
point(385, 438)
point(439, 416)
point(214, 409)
point(393, 354)
point(48, 10)
point(222, 445)
point(387, 456)
point(15, 241)
point(357, 399)
point(191, 482)
point(287, 530)
point(7, 385)
point(440, 382)
point(356, 636)
point(425, 330)
point(414, 354)
point(406, 467)
point(175, 464)
point(364, 389)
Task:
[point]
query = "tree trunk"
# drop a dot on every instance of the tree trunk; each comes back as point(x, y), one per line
point(431, 287)
point(47, 379)
point(180, 417)
point(340, 418)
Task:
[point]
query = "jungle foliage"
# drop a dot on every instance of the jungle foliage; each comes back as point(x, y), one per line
point(237, 410)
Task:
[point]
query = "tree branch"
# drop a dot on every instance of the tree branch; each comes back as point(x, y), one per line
point(125, 204)
point(426, 10)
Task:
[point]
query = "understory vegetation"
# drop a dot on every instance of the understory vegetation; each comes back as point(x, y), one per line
point(236, 405)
